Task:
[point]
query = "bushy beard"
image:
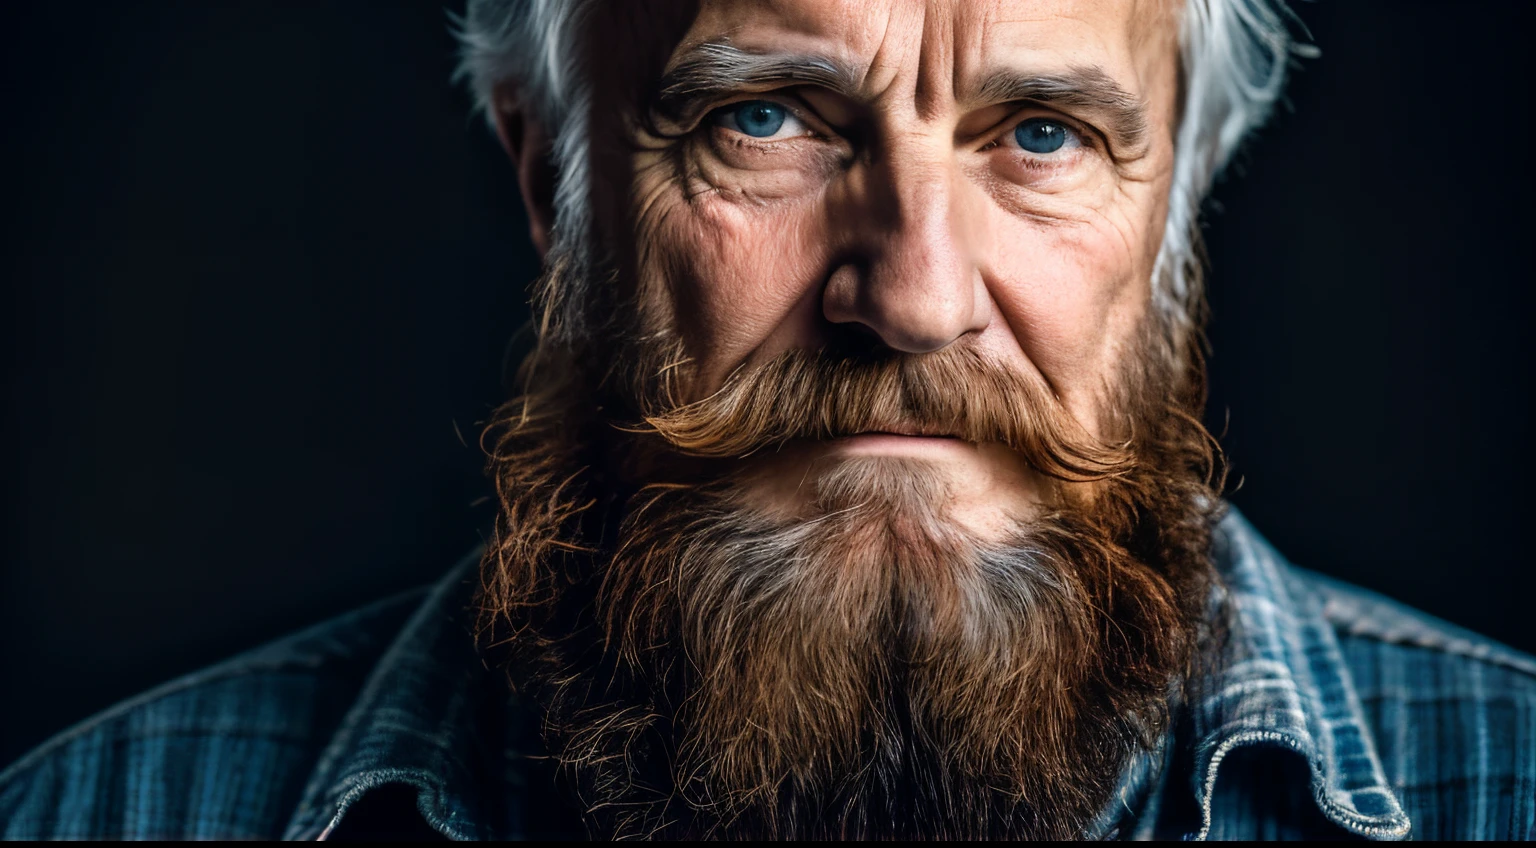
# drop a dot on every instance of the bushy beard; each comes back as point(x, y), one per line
point(869, 669)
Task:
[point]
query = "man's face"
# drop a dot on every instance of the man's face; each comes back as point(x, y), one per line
point(942, 546)
point(914, 176)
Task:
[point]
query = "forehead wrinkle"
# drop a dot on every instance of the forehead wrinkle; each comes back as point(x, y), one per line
point(935, 62)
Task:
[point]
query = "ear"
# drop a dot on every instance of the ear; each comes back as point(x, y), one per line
point(528, 145)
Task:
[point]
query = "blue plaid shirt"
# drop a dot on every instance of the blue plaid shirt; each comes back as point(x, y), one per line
point(1338, 712)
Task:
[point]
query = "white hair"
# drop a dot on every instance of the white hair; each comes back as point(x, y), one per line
point(1233, 61)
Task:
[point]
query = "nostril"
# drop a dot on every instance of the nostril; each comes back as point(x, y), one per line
point(889, 330)
point(856, 340)
point(859, 333)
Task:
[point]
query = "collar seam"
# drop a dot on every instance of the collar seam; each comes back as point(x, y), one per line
point(1259, 576)
point(1385, 824)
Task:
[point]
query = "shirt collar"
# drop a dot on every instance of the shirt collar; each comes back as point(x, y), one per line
point(419, 721)
point(1284, 683)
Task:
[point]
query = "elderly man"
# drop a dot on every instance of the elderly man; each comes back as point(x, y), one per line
point(857, 488)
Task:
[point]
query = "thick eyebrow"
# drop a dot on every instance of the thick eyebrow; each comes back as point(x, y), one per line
point(1089, 89)
point(714, 69)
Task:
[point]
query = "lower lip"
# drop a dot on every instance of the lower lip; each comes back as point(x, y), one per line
point(891, 444)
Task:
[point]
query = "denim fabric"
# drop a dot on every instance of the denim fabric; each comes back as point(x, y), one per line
point(1333, 712)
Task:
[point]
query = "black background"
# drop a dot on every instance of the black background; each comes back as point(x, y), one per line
point(263, 271)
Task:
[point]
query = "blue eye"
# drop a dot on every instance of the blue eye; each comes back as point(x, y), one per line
point(756, 118)
point(1040, 135)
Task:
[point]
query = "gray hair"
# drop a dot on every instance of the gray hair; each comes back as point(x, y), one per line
point(1233, 61)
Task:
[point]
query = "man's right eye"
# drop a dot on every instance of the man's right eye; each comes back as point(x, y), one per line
point(762, 119)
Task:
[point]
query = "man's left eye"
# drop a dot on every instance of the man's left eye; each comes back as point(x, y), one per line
point(1043, 136)
point(759, 119)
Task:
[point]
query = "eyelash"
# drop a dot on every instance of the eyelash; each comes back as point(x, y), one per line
point(795, 112)
point(1087, 139)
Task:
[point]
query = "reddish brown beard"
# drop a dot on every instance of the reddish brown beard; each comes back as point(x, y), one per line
point(708, 671)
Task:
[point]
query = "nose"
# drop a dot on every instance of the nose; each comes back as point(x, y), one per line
point(912, 282)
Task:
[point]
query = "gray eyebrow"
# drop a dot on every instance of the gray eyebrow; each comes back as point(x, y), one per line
point(1082, 88)
point(714, 68)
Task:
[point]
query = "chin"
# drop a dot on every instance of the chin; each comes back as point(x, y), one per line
point(943, 486)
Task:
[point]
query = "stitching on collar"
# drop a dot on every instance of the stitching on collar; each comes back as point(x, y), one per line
point(1286, 684)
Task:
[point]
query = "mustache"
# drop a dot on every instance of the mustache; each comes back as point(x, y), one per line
point(826, 394)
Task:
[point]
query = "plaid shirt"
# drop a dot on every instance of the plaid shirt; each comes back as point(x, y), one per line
point(1337, 712)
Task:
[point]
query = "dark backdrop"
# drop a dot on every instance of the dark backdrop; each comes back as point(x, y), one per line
point(262, 272)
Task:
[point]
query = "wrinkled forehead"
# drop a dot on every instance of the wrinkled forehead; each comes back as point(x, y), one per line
point(938, 52)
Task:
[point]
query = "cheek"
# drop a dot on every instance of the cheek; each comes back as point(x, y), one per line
point(742, 278)
point(1071, 293)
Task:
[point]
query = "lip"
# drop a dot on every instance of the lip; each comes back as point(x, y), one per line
point(898, 444)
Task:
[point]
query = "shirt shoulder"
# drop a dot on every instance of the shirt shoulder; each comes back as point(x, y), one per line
point(222, 753)
point(1453, 713)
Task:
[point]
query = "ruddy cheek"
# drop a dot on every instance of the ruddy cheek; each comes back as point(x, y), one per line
point(1055, 287)
point(741, 272)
